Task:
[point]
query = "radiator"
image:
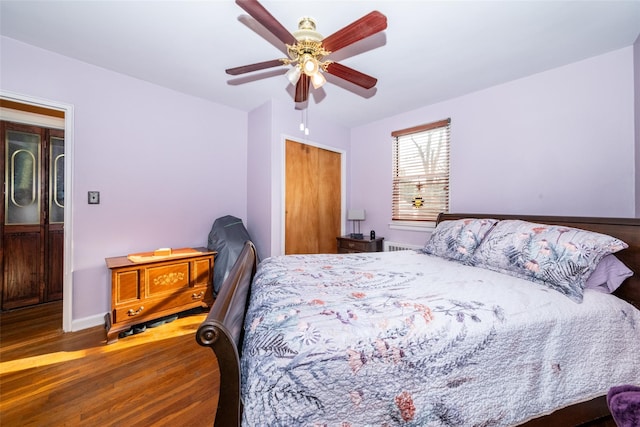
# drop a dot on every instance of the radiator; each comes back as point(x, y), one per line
point(395, 246)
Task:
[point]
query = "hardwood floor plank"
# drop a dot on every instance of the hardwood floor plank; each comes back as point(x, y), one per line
point(49, 378)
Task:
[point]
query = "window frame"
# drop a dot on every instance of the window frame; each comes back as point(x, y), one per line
point(442, 165)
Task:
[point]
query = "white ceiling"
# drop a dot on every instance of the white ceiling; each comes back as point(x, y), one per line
point(431, 50)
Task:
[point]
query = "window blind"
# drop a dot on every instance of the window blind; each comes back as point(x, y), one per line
point(421, 172)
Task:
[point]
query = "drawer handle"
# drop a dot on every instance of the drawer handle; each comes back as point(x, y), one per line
point(352, 245)
point(198, 295)
point(135, 313)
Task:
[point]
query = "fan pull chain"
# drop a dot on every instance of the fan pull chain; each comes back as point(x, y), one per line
point(303, 122)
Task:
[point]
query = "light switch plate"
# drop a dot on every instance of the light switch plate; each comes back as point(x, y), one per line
point(94, 197)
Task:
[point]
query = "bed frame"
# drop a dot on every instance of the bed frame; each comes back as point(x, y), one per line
point(222, 330)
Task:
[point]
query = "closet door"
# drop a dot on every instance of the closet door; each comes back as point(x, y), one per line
point(32, 228)
point(313, 197)
point(329, 199)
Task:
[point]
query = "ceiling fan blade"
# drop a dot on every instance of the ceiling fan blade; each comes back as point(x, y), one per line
point(364, 27)
point(302, 88)
point(262, 15)
point(254, 67)
point(351, 75)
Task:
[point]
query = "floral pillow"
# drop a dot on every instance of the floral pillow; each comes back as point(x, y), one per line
point(458, 239)
point(562, 258)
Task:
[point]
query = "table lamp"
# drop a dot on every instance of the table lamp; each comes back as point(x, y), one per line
point(356, 215)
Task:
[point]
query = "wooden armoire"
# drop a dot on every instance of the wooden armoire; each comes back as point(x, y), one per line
point(32, 214)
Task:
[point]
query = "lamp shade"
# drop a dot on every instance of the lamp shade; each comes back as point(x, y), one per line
point(355, 215)
point(309, 65)
point(317, 80)
point(293, 74)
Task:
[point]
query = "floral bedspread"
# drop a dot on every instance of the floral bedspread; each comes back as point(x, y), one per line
point(408, 339)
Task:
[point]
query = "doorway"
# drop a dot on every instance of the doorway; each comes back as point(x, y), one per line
point(32, 214)
point(66, 112)
point(313, 197)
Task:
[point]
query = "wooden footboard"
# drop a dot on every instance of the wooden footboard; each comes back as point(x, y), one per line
point(222, 332)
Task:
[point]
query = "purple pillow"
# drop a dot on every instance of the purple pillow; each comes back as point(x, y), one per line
point(608, 275)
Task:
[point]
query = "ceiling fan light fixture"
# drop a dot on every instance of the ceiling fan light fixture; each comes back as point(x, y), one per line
point(310, 65)
point(293, 75)
point(318, 80)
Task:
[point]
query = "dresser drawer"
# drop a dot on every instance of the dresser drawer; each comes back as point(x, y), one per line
point(143, 308)
point(354, 245)
point(349, 245)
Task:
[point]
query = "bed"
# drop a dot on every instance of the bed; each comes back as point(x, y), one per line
point(293, 337)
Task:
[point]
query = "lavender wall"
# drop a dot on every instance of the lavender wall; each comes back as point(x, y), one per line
point(269, 126)
point(559, 142)
point(259, 187)
point(166, 164)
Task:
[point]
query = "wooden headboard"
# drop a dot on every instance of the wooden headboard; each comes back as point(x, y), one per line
point(625, 229)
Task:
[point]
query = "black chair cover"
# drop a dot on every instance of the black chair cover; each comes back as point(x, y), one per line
point(227, 237)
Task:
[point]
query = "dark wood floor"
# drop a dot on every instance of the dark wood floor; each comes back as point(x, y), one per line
point(50, 378)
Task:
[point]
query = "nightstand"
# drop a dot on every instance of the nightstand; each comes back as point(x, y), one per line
point(347, 245)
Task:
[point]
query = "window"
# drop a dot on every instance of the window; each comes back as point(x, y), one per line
point(421, 172)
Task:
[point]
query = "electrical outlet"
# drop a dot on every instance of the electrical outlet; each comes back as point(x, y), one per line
point(94, 197)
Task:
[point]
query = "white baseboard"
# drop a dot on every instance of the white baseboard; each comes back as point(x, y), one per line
point(87, 322)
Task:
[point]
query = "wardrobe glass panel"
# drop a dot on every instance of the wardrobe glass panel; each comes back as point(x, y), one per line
point(23, 186)
point(56, 181)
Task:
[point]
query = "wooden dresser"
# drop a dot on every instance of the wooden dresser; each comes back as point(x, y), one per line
point(347, 245)
point(145, 287)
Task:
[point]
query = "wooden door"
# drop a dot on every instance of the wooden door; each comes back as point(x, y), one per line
point(329, 200)
point(312, 199)
point(32, 215)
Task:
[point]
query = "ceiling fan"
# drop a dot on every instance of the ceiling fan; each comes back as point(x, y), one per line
point(307, 49)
